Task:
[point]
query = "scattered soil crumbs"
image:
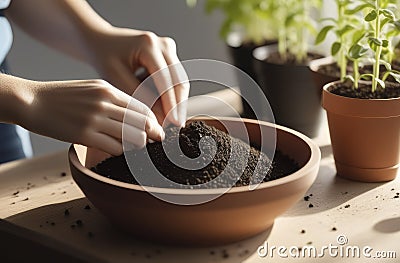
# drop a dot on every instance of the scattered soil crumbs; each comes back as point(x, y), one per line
point(79, 222)
point(213, 161)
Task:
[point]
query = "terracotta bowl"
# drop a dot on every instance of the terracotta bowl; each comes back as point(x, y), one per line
point(238, 214)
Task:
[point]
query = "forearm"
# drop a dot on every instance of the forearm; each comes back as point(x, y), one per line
point(13, 98)
point(70, 26)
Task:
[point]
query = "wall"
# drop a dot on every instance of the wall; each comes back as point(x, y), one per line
point(196, 35)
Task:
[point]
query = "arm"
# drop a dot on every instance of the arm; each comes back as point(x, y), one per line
point(69, 26)
point(74, 28)
point(89, 112)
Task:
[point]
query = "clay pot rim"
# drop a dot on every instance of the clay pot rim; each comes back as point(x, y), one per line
point(315, 64)
point(261, 53)
point(237, 39)
point(315, 156)
point(366, 108)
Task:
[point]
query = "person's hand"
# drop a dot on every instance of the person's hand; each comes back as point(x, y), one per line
point(88, 112)
point(119, 52)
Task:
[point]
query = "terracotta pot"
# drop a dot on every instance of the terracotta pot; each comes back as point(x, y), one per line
point(365, 135)
point(237, 214)
point(290, 90)
point(242, 58)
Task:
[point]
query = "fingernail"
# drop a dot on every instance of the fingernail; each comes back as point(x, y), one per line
point(175, 116)
point(182, 116)
point(162, 133)
point(182, 113)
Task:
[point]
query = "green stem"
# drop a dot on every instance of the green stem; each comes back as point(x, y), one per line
point(342, 54)
point(302, 39)
point(356, 73)
point(282, 48)
point(379, 49)
point(342, 62)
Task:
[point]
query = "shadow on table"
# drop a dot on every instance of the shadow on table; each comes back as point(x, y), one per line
point(84, 230)
point(326, 151)
point(329, 191)
point(387, 226)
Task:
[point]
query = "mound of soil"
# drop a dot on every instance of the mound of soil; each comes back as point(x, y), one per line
point(211, 160)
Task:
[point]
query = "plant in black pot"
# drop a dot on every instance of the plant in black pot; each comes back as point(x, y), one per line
point(364, 111)
point(282, 70)
point(247, 24)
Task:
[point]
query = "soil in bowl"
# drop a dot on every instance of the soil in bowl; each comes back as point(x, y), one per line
point(189, 137)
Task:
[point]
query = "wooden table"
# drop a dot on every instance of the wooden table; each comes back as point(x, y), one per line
point(45, 216)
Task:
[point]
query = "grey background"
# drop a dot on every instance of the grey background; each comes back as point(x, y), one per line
point(195, 33)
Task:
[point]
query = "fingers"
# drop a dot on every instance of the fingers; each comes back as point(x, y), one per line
point(105, 143)
point(117, 117)
point(135, 124)
point(124, 100)
point(154, 62)
point(179, 77)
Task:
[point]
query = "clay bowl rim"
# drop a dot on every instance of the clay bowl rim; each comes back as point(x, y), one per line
point(315, 157)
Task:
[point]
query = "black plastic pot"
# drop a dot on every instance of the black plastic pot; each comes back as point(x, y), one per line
point(242, 56)
point(294, 98)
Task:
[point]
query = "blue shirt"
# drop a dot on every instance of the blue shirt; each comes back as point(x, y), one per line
point(14, 140)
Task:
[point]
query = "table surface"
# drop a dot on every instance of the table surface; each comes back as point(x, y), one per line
point(35, 194)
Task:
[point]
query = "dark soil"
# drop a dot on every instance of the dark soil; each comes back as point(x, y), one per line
point(396, 64)
point(332, 70)
point(116, 167)
point(364, 91)
point(276, 58)
point(382, 71)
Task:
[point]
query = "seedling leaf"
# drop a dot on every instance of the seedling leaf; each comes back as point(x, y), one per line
point(388, 13)
point(335, 48)
point(395, 76)
point(344, 30)
point(322, 34)
point(381, 82)
point(358, 8)
point(374, 43)
point(357, 51)
point(371, 16)
point(386, 64)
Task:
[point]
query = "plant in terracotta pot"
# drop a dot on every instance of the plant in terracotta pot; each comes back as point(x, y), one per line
point(282, 70)
point(247, 24)
point(364, 113)
point(347, 29)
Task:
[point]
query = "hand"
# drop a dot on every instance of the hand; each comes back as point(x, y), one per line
point(89, 112)
point(119, 52)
